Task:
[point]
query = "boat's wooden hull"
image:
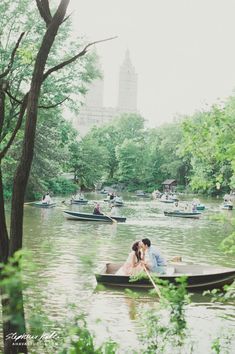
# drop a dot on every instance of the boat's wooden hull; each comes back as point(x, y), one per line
point(200, 207)
point(92, 217)
point(168, 201)
point(180, 214)
point(43, 205)
point(205, 278)
point(118, 204)
point(79, 201)
point(143, 195)
point(227, 207)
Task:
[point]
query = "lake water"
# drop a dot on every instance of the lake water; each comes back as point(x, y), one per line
point(68, 253)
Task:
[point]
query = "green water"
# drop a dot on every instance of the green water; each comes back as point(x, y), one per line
point(61, 247)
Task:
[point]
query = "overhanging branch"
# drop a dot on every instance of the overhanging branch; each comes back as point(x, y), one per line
point(6, 72)
point(53, 105)
point(13, 98)
point(71, 60)
point(17, 127)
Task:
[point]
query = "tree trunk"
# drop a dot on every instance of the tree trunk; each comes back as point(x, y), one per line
point(4, 241)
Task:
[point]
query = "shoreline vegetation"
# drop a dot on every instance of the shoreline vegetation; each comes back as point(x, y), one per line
point(197, 151)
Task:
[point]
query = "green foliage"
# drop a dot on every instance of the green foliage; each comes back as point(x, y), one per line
point(158, 335)
point(225, 296)
point(12, 284)
point(140, 158)
point(79, 340)
point(89, 162)
point(131, 162)
point(209, 142)
point(61, 186)
point(216, 347)
point(55, 139)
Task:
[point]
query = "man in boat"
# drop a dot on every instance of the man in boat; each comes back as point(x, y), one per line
point(112, 196)
point(153, 259)
point(96, 210)
point(176, 206)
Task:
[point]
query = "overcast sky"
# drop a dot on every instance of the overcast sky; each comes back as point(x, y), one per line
point(183, 50)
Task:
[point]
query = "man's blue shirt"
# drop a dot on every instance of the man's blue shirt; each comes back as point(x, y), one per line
point(155, 258)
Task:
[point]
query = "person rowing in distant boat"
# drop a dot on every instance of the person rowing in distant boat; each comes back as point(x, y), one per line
point(46, 199)
point(97, 210)
point(78, 196)
point(176, 206)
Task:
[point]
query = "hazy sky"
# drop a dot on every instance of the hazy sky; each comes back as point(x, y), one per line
point(183, 50)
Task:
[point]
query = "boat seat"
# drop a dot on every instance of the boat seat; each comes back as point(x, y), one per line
point(170, 270)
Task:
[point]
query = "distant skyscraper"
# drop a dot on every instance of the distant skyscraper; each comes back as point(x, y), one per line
point(127, 98)
point(94, 113)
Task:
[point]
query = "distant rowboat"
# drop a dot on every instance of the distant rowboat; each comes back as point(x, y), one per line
point(200, 207)
point(199, 277)
point(167, 201)
point(227, 207)
point(43, 205)
point(142, 194)
point(92, 217)
point(79, 201)
point(182, 214)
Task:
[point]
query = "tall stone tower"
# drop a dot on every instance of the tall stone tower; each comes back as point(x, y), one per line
point(127, 98)
point(93, 113)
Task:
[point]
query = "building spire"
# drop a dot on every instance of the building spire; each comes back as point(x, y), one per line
point(127, 99)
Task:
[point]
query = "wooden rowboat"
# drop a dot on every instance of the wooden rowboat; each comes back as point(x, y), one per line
point(142, 194)
point(43, 205)
point(169, 201)
point(92, 217)
point(200, 207)
point(199, 277)
point(182, 214)
point(79, 201)
point(227, 207)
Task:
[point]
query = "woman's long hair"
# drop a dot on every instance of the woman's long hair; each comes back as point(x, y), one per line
point(135, 248)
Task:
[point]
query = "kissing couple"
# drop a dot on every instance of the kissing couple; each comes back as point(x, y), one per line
point(143, 255)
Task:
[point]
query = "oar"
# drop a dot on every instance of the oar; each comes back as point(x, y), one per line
point(154, 285)
point(65, 203)
point(113, 220)
point(27, 203)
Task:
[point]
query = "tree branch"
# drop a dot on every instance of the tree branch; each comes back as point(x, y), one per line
point(17, 127)
point(54, 105)
point(71, 60)
point(44, 10)
point(67, 17)
point(13, 98)
point(6, 72)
